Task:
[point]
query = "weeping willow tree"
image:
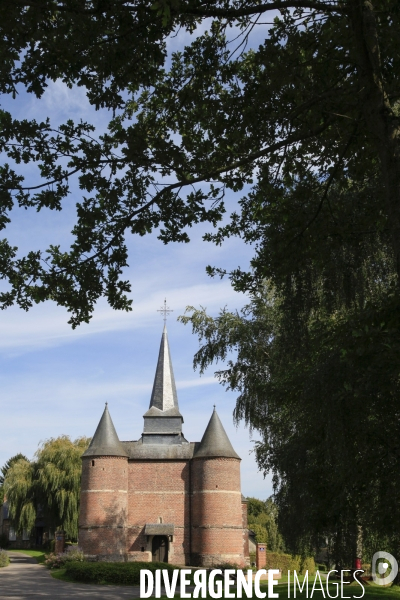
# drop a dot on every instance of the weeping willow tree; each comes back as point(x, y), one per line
point(314, 360)
point(3, 472)
point(49, 485)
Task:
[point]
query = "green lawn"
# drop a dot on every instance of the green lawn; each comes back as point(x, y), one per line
point(39, 555)
point(372, 591)
point(61, 575)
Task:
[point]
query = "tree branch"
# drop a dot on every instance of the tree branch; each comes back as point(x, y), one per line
point(325, 7)
point(263, 8)
point(328, 185)
point(127, 220)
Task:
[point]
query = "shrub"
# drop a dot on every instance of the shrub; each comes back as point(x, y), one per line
point(54, 561)
point(308, 564)
point(283, 562)
point(4, 558)
point(366, 568)
point(72, 554)
point(112, 572)
point(260, 533)
point(224, 566)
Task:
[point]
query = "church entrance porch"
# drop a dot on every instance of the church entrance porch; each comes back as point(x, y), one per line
point(159, 548)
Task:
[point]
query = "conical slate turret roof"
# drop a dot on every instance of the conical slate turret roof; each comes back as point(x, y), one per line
point(164, 396)
point(215, 442)
point(105, 441)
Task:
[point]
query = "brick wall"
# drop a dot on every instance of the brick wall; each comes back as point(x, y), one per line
point(103, 510)
point(217, 531)
point(202, 498)
point(159, 490)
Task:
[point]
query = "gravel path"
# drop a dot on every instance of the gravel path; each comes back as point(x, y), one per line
point(24, 579)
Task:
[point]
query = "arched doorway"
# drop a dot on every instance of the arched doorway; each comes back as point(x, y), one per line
point(159, 548)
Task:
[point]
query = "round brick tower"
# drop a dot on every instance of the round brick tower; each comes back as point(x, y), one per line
point(104, 495)
point(217, 524)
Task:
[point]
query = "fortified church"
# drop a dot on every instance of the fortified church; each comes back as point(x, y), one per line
point(162, 498)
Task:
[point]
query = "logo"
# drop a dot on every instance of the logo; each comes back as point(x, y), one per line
point(386, 565)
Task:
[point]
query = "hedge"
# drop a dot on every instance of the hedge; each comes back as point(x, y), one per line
point(286, 562)
point(129, 573)
point(112, 572)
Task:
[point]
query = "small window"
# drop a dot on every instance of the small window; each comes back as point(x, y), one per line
point(92, 463)
point(12, 535)
point(25, 535)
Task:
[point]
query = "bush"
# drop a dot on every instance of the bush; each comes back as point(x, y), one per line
point(283, 562)
point(112, 572)
point(4, 541)
point(308, 564)
point(224, 566)
point(72, 554)
point(260, 533)
point(4, 558)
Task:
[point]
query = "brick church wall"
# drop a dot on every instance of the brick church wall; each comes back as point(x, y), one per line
point(217, 534)
point(159, 489)
point(103, 510)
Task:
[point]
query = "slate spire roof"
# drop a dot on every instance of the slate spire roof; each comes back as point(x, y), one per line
point(215, 442)
point(163, 421)
point(164, 396)
point(105, 441)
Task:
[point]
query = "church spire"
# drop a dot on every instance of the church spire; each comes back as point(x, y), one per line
point(164, 396)
point(163, 421)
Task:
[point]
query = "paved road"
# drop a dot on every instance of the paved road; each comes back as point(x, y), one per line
point(24, 579)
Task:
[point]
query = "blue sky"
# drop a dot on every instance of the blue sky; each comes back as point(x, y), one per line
point(55, 380)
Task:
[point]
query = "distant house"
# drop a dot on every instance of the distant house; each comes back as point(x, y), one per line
point(38, 537)
point(252, 541)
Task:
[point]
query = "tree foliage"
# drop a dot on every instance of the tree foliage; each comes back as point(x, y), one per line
point(3, 472)
point(263, 520)
point(307, 97)
point(49, 486)
point(315, 365)
point(323, 396)
point(8, 464)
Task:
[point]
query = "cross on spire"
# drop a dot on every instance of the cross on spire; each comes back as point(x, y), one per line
point(165, 310)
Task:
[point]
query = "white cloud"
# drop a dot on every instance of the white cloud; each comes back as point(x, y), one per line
point(45, 325)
